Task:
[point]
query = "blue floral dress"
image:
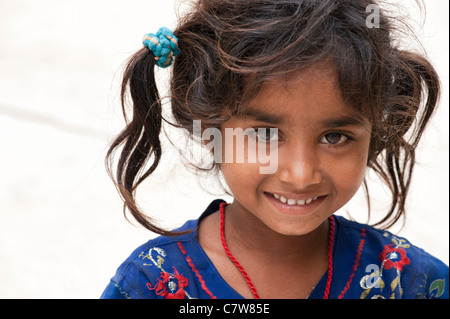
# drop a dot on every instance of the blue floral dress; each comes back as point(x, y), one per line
point(367, 263)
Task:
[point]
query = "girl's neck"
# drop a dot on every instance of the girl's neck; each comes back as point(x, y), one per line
point(264, 254)
point(247, 233)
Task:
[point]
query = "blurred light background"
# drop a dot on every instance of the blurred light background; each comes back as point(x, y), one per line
point(62, 232)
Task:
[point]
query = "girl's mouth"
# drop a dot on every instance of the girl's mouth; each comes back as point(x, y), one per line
point(295, 204)
point(292, 201)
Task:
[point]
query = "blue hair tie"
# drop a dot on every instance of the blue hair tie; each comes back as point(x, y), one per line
point(164, 46)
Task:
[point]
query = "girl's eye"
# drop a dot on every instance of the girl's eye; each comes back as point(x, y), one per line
point(265, 134)
point(334, 138)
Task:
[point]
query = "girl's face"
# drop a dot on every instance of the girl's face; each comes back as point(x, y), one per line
point(322, 150)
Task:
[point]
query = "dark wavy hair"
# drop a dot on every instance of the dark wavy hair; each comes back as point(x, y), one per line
point(224, 43)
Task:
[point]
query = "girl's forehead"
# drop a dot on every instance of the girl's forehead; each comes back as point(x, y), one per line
point(321, 72)
point(312, 92)
point(316, 79)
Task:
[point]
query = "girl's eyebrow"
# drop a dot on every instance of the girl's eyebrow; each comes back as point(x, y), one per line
point(344, 120)
point(261, 116)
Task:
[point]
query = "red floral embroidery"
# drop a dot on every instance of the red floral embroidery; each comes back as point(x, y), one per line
point(174, 282)
point(394, 257)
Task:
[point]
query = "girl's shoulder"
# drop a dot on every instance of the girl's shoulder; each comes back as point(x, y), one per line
point(159, 260)
point(387, 265)
point(169, 267)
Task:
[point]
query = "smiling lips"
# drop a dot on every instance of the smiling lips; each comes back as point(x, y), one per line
point(291, 201)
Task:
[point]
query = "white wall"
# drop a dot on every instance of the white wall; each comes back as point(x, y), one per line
point(62, 232)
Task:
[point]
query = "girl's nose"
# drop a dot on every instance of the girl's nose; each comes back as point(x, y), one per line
point(299, 166)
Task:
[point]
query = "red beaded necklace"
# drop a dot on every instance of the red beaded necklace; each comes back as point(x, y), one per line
point(244, 273)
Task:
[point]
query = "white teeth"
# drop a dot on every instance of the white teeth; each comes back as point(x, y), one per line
point(291, 201)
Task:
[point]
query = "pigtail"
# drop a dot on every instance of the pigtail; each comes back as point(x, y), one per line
point(141, 146)
point(416, 93)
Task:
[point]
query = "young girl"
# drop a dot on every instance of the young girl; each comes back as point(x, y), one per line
point(324, 88)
